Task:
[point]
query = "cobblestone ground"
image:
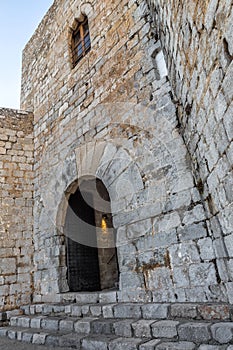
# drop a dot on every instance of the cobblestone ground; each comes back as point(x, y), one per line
point(7, 344)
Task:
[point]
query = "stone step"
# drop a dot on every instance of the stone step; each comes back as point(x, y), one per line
point(196, 331)
point(46, 337)
point(6, 315)
point(128, 326)
point(71, 340)
point(135, 310)
point(89, 297)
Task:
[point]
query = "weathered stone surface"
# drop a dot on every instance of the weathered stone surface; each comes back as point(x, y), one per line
point(23, 322)
point(76, 310)
point(129, 333)
point(210, 347)
point(198, 86)
point(153, 69)
point(16, 192)
point(182, 345)
point(39, 338)
point(52, 324)
point(183, 310)
point(108, 311)
point(164, 329)
point(109, 297)
point(127, 311)
point(142, 328)
point(200, 274)
point(222, 332)
point(196, 332)
point(123, 328)
point(83, 325)
point(100, 326)
point(214, 312)
point(150, 345)
point(121, 344)
point(93, 343)
point(27, 337)
point(154, 311)
point(70, 340)
point(184, 253)
point(66, 325)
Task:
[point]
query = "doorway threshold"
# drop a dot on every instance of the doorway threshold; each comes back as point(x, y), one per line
point(105, 296)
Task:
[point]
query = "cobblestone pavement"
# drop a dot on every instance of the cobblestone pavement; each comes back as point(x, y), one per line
point(7, 344)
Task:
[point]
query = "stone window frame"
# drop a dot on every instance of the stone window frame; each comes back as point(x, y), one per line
point(83, 11)
point(79, 40)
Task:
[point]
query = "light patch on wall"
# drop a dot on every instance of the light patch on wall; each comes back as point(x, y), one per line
point(161, 64)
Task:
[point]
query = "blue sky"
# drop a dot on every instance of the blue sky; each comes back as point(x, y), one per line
point(18, 21)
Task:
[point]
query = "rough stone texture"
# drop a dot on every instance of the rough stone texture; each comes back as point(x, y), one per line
point(142, 328)
point(153, 311)
point(165, 329)
point(211, 347)
point(183, 345)
point(56, 328)
point(183, 310)
point(93, 343)
point(117, 122)
point(148, 112)
point(150, 345)
point(7, 344)
point(123, 328)
point(121, 344)
point(127, 311)
point(198, 51)
point(214, 312)
point(16, 196)
point(223, 333)
point(196, 332)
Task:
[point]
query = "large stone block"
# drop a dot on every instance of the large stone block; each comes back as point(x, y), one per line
point(150, 345)
point(180, 345)
point(196, 332)
point(84, 325)
point(155, 311)
point(8, 266)
point(165, 329)
point(184, 310)
point(202, 274)
point(142, 328)
point(123, 328)
point(192, 232)
point(159, 278)
point(222, 332)
point(122, 344)
point(127, 310)
point(184, 253)
point(94, 343)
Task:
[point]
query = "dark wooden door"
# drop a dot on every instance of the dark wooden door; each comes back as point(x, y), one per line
point(82, 251)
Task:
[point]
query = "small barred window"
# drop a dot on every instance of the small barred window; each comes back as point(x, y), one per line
point(81, 42)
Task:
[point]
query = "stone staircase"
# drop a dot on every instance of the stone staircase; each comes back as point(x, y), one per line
point(96, 321)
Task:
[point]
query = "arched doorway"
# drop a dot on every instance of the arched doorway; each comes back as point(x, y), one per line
point(91, 254)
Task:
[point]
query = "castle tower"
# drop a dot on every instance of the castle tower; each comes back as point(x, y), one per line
point(132, 150)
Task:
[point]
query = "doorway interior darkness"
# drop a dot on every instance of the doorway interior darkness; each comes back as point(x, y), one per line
point(91, 253)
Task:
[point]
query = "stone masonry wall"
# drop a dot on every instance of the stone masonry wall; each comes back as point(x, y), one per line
point(114, 117)
point(197, 42)
point(16, 195)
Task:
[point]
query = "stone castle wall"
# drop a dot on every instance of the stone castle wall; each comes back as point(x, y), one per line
point(114, 116)
point(197, 41)
point(16, 205)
